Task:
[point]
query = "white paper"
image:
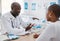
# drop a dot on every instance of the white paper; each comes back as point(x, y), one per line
point(3, 37)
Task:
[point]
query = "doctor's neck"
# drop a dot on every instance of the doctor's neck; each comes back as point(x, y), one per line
point(14, 14)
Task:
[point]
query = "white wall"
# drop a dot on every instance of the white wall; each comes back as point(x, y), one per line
point(6, 5)
point(0, 6)
point(40, 11)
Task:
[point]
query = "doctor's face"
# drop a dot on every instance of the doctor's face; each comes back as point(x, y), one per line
point(51, 17)
point(16, 10)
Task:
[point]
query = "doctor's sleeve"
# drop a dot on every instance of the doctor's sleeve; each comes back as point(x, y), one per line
point(2, 29)
point(7, 25)
point(48, 34)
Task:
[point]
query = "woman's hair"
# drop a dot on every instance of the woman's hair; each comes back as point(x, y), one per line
point(55, 9)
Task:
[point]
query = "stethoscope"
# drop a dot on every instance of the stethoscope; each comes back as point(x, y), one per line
point(12, 23)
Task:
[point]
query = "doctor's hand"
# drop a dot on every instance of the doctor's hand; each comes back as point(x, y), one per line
point(29, 27)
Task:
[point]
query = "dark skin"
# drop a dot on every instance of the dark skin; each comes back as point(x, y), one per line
point(29, 27)
point(15, 11)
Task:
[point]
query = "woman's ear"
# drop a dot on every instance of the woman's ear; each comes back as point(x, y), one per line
point(51, 14)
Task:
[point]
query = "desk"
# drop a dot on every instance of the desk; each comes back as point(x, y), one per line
point(26, 38)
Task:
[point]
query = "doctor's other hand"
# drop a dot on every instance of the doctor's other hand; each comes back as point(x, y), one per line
point(29, 27)
point(35, 18)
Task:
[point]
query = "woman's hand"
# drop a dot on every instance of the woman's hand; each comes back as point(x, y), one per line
point(36, 36)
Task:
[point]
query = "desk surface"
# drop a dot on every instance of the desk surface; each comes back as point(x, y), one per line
point(26, 38)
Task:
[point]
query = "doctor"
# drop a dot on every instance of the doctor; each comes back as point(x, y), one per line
point(12, 21)
point(52, 31)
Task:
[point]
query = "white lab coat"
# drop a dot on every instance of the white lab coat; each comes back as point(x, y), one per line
point(51, 33)
point(2, 30)
point(13, 25)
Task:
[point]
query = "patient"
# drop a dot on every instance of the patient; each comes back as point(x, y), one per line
point(52, 31)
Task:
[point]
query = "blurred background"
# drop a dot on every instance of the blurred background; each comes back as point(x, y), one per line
point(29, 7)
